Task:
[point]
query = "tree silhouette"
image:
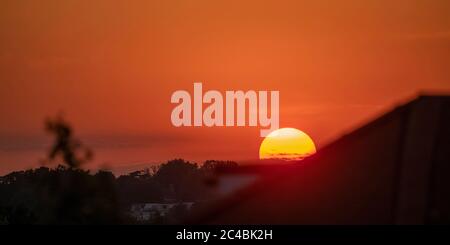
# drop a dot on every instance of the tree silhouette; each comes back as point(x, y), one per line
point(68, 194)
point(65, 145)
point(63, 195)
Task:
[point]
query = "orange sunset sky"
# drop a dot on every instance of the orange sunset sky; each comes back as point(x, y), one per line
point(111, 67)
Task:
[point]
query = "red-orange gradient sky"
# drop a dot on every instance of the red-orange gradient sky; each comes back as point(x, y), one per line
point(112, 66)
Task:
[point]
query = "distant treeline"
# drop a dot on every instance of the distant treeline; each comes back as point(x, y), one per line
point(64, 195)
point(68, 194)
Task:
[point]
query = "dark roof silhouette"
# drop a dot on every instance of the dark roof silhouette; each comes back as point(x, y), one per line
point(394, 170)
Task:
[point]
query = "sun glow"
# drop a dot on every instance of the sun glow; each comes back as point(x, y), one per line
point(287, 144)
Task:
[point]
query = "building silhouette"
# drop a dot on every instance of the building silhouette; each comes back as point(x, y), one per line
point(394, 170)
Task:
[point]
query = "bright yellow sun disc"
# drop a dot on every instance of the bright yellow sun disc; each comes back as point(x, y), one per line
point(286, 144)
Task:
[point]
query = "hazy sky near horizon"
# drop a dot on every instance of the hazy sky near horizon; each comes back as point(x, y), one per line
point(111, 67)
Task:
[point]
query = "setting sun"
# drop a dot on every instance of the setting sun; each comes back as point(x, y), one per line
point(287, 144)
